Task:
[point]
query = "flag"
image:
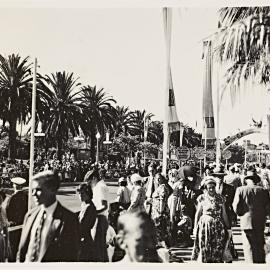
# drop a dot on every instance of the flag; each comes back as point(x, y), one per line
point(173, 122)
point(208, 112)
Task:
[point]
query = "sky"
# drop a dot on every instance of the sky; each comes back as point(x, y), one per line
point(123, 51)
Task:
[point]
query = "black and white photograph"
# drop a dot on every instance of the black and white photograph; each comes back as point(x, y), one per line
point(134, 133)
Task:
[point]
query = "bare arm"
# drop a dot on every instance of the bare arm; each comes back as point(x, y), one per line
point(105, 206)
point(197, 217)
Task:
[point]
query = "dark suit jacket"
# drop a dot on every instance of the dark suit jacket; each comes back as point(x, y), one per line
point(17, 206)
point(228, 192)
point(252, 204)
point(63, 236)
point(86, 252)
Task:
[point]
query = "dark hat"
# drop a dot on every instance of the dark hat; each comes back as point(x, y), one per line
point(255, 178)
point(218, 171)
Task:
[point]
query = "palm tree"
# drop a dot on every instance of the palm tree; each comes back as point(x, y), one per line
point(155, 134)
point(99, 111)
point(60, 108)
point(124, 120)
point(190, 137)
point(243, 45)
point(15, 94)
point(137, 122)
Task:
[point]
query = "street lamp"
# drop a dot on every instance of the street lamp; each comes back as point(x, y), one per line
point(97, 137)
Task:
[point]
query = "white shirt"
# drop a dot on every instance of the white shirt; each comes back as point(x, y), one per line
point(149, 187)
point(101, 193)
point(45, 230)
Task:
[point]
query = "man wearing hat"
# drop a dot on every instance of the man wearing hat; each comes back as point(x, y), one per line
point(16, 208)
point(50, 231)
point(252, 205)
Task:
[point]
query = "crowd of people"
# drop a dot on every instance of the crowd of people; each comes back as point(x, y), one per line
point(150, 215)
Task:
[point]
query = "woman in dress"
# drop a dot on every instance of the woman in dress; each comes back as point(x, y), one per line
point(87, 219)
point(160, 210)
point(210, 226)
point(138, 196)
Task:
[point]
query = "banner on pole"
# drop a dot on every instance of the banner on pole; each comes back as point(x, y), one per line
point(173, 122)
point(208, 112)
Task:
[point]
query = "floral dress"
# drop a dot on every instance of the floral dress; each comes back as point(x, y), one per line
point(210, 233)
point(161, 220)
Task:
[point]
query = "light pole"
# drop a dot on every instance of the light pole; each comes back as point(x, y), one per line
point(107, 142)
point(97, 137)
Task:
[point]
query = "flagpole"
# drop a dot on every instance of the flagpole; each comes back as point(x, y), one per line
point(32, 142)
point(217, 130)
point(167, 26)
point(205, 143)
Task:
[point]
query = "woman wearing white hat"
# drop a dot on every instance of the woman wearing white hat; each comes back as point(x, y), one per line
point(137, 194)
point(211, 222)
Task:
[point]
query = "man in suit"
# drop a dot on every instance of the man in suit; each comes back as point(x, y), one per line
point(150, 187)
point(252, 205)
point(50, 231)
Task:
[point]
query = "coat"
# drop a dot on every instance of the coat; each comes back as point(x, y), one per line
point(87, 221)
point(251, 204)
point(63, 241)
point(228, 192)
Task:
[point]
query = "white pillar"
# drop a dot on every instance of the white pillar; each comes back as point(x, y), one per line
point(167, 13)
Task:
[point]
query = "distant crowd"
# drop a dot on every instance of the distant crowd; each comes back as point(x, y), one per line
point(152, 214)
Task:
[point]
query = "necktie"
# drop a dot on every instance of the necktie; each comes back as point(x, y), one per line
point(36, 247)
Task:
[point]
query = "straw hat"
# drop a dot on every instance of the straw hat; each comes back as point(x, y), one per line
point(18, 180)
point(208, 180)
point(135, 178)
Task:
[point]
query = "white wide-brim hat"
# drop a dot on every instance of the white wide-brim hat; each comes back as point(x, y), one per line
point(135, 178)
point(18, 180)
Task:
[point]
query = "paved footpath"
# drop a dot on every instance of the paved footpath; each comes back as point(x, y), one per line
point(185, 253)
point(67, 195)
